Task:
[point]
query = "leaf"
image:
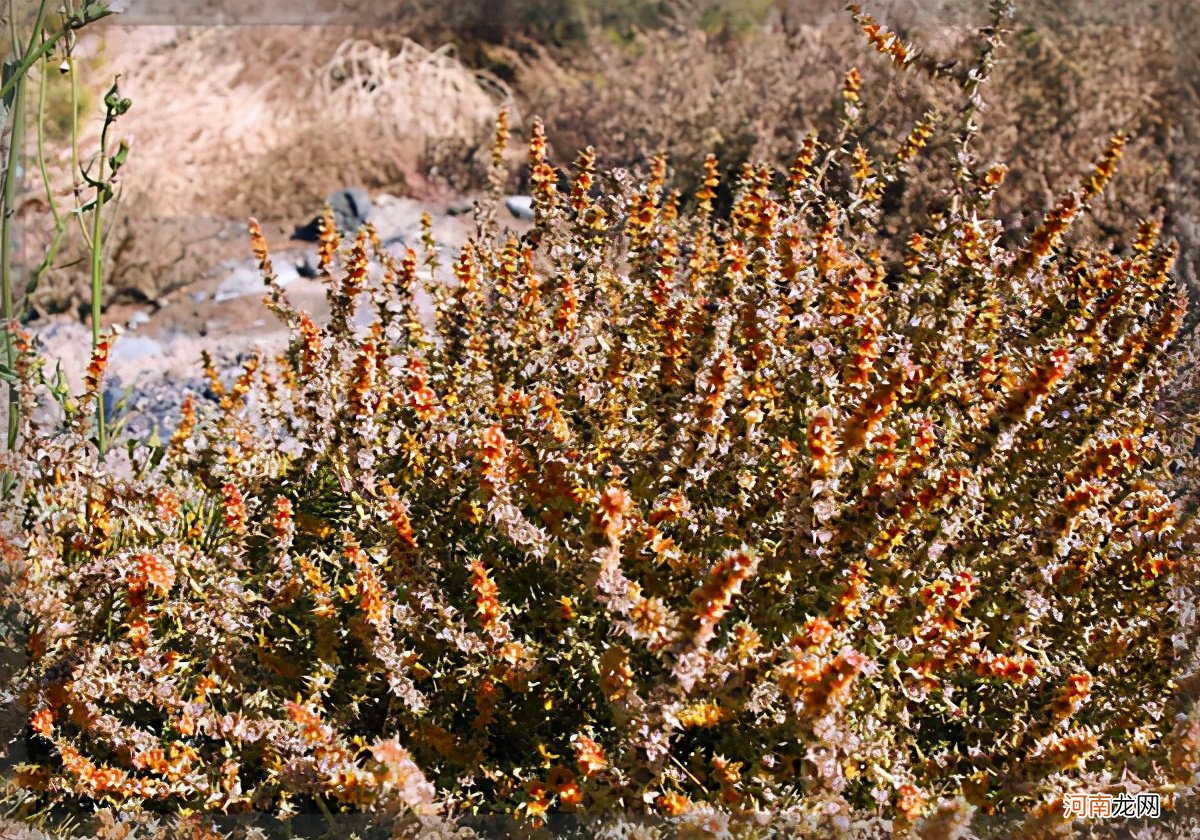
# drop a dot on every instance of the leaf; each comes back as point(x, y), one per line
point(10, 69)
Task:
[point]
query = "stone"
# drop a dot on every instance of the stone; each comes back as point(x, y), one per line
point(351, 210)
point(461, 207)
point(521, 207)
point(135, 348)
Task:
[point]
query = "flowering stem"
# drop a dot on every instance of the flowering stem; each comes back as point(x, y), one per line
point(97, 291)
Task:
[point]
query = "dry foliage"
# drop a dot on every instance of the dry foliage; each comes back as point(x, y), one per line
point(264, 121)
point(1065, 82)
point(725, 519)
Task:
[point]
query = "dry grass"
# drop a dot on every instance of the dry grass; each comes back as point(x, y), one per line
point(266, 121)
point(274, 116)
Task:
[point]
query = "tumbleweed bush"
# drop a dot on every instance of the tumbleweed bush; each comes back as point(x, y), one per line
point(730, 520)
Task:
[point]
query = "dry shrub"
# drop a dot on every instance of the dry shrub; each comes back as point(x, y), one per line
point(264, 121)
point(721, 518)
point(1069, 76)
point(277, 117)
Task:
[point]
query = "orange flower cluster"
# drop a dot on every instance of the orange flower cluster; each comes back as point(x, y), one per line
point(817, 632)
point(187, 423)
point(823, 683)
point(311, 725)
point(282, 524)
point(1095, 183)
point(711, 601)
point(729, 776)
point(363, 400)
point(1023, 402)
point(397, 513)
point(235, 509)
point(97, 365)
point(420, 396)
point(1018, 669)
point(884, 41)
point(1068, 752)
point(756, 211)
point(565, 786)
point(42, 722)
point(707, 191)
point(151, 572)
point(566, 317)
point(588, 755)
point(852, 85)
point(850, 598)
point(910, 804)
point(310, 345)
point(328, 239)
point(610, 516)
point(585, 179)
point(1073, 695)
point(701, 715)
point(370, 592)
point(500, 140)
point(494, 454)
point(916, 140)
point(822, 444)
point(873, 411)
point(258, 245)
point(167, 506)
point(487, 604)
point(672, 804)
point(1052, 228)
point(541, 174)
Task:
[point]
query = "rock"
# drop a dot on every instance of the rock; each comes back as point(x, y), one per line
point(351, 210)
point(521, 206)
point(461, 207)
point(244, 280)
point(306, 266)
point(135, 348)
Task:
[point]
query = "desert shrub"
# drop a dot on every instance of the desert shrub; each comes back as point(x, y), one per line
point(1072, 73)
point(723, 519)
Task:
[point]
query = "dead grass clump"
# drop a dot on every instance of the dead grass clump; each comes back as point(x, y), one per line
point(313, 109)
point(267, 121)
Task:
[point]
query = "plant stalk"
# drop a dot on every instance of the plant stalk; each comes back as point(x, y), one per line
point(98, 289)
point(16, 140)
point(18, 84)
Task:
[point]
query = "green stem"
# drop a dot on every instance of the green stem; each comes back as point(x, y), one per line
point(41, 146)
point(16, 142)
point(98, 286)
point(60, 225)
